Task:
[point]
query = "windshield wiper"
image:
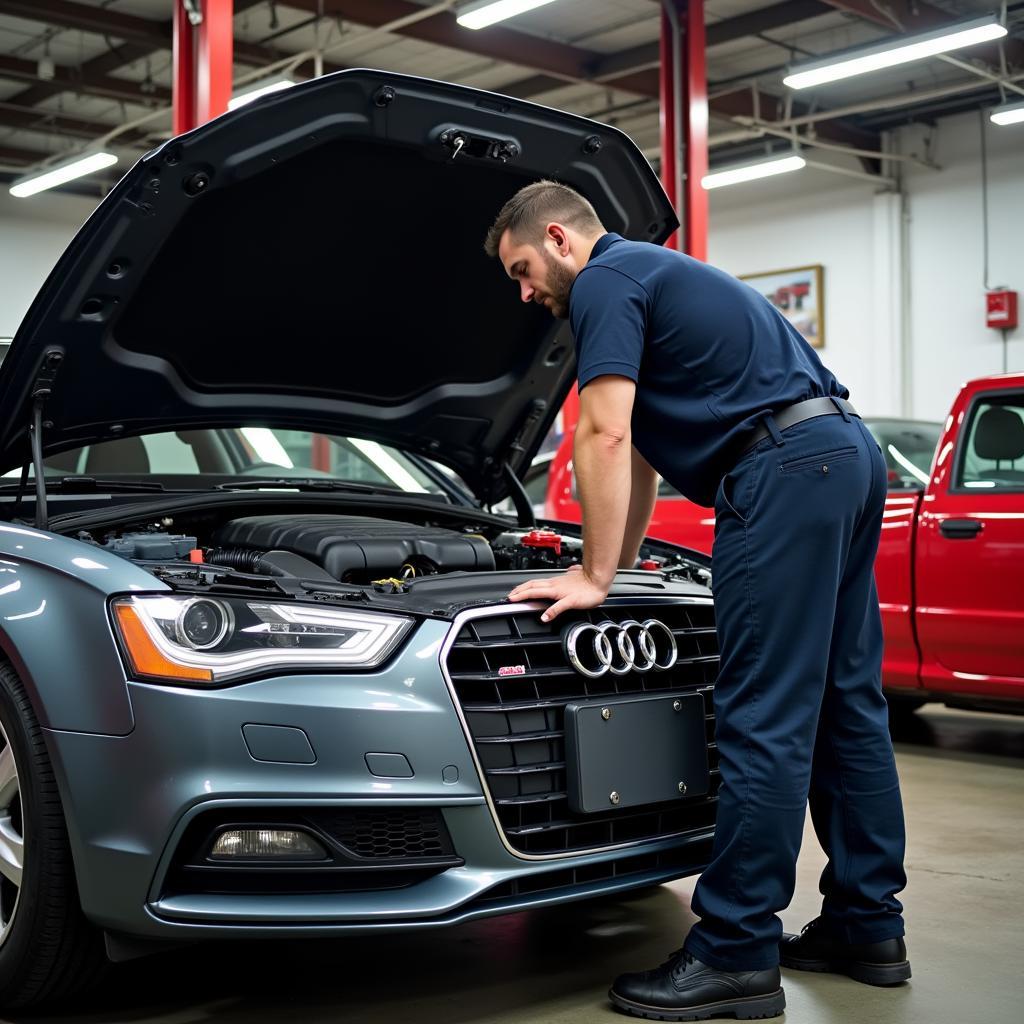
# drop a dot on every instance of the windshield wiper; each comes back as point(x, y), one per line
point(91, 485)
point(305, 483)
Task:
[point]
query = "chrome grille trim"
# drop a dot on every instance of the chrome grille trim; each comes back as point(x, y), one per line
point(475, 614)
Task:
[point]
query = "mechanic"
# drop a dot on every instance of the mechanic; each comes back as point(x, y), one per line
point(686, 372)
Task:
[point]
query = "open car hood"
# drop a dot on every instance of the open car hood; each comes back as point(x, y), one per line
point(314, 260)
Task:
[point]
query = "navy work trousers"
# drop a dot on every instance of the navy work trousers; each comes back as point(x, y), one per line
point(799, 705)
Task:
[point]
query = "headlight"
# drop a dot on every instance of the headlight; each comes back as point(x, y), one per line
point(212, 640)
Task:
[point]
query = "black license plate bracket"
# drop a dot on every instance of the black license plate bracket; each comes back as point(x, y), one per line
point(636, 750)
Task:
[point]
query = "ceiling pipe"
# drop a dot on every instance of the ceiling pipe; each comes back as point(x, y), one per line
point(868, 106)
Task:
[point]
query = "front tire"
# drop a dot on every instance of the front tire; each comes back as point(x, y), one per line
point(48, 950)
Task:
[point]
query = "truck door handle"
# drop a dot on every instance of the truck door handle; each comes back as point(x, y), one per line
point(960, 529)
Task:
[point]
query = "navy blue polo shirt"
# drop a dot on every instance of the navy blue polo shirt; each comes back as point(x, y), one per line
point(710, 356)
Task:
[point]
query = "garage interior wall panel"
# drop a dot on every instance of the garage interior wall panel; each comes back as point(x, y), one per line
point(33, 234)
point(902, 342)
point(946, 256)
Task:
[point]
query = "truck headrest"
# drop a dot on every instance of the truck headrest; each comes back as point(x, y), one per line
point(1000, 434)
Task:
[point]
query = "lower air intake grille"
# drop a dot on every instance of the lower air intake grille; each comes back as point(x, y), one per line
point(382, 833)
point(517, 722)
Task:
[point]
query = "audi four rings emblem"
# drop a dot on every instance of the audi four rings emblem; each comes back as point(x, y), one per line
point(620, 647)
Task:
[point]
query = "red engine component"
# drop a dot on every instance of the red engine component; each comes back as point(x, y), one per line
point(543, 539)
point(650, 564)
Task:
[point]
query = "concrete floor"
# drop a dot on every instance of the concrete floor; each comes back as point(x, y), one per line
point(964, 797)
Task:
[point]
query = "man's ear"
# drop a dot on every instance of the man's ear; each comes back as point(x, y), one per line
point(557, 234)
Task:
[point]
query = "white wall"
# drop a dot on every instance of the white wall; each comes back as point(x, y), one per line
point(33, 234)
point(815, 216)
point(946, 254)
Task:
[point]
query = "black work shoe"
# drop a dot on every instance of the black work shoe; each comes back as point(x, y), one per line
point(685, 989)
point(874, 963)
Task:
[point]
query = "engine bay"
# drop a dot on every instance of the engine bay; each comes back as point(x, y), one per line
point(360, 551)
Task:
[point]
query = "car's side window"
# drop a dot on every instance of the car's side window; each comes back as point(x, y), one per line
point(992, 458)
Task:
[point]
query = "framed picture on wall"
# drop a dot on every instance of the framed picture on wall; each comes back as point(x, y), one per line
point(799, 294)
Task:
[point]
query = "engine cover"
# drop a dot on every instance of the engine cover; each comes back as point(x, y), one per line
point(356, 547)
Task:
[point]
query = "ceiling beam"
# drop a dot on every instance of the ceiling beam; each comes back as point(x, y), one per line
point(98, 20)
point(635, 69)
point(770, 108)
point(504, 44)
point(147, 37)
point(15, 155)
point(72, 79)
point(640, 58)
point(29, 119)
point(141, 32)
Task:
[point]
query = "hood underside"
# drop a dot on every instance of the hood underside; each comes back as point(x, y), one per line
point(314, 260)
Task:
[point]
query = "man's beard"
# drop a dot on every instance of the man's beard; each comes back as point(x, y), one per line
point(558, 285)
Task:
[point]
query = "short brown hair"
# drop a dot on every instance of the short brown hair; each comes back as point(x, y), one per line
point(535, 206)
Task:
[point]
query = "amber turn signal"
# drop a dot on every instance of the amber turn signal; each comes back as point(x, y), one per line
point(146, 659)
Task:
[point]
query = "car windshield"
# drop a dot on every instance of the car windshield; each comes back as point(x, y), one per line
point(908, 447)
point(255, 452)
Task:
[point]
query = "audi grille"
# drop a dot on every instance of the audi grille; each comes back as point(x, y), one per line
point(511, 678)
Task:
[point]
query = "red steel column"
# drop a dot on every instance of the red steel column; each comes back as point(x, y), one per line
point(695, 132)
point(184, 85)
point(216, 55)
point(203, 58)
point(685, 107)
point(667, 119)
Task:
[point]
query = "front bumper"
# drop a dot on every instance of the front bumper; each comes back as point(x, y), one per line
point(129, 800)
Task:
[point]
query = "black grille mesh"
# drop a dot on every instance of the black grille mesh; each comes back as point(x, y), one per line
point(517, 722)
point(376, 833)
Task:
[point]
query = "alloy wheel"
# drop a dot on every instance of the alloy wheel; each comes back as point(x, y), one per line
point(12, 837)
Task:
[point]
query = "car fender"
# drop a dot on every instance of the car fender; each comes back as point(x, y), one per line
point(55, 627)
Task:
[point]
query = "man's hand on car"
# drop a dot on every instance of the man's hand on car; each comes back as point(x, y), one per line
point(573, 589)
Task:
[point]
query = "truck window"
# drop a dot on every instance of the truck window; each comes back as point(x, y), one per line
point(992, 458)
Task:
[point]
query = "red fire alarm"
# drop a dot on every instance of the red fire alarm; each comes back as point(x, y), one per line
point(1001, 309)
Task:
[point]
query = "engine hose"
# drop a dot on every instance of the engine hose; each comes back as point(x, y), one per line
point(243, 559)
point(270, 563)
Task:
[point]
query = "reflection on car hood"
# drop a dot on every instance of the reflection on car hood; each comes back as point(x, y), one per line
point(314, 260)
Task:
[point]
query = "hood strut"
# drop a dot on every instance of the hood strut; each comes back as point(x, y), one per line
point(521, 500)
point(41, 391)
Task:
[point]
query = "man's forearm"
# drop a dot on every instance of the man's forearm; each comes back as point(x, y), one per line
point(643, 493)
point(603, 473)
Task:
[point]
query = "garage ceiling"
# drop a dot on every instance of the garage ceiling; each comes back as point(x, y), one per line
point(73, 72)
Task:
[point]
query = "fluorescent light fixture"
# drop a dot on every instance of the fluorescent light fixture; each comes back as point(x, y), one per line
point(60, 175)
point(1008, 113)
point(261, 90)
point(489, 12)
point(751, 172)
point(891, 52)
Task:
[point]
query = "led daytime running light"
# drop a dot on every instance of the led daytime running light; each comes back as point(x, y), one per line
point(260, 637)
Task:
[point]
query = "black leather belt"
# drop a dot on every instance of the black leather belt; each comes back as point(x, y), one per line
point(807, 410)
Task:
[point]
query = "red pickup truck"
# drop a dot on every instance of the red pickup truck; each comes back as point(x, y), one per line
point(950, 565)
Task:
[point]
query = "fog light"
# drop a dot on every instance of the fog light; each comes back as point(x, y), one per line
point(266, 844)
